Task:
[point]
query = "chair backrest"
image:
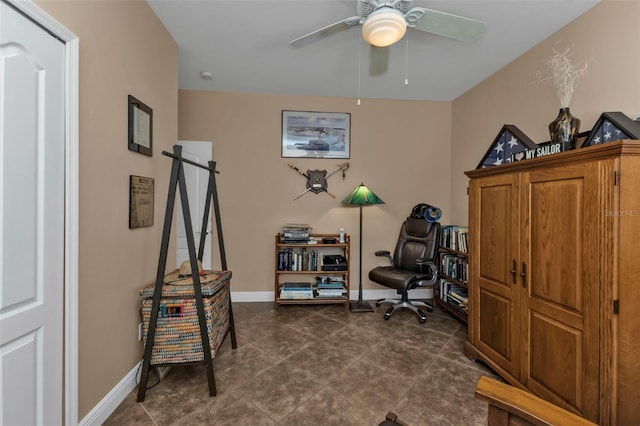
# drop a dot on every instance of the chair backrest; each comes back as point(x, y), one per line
point(418, 239)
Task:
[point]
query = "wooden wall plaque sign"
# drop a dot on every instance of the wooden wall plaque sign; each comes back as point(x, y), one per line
point(141, 191)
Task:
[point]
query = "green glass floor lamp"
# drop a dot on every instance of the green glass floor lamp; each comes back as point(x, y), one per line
point(361, 196)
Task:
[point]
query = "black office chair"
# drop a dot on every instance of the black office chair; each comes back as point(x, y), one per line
point(413, 265)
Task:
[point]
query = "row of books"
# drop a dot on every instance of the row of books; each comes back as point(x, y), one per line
point(306, 290)
point(455, 295)
point(455, 267)
point(296, 259)
point(455, 237)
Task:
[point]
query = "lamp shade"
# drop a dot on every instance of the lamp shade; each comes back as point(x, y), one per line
point(362, 196)
point(384, 27)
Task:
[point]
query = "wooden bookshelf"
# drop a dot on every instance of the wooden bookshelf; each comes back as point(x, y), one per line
point(452, 272)
point(300, 262)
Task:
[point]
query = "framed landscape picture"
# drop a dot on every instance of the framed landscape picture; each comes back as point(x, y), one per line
point(312, 134)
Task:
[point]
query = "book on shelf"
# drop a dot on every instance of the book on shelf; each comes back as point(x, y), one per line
point(297, 286)
point(296, 290)
point(330, 287)
point(331, 293)
point(462, 307)
point(463, 239)
point(455, 237)
point(296, 227)
point(460, 296)
point(289, 295)
point(334, 289)
point(330, 281)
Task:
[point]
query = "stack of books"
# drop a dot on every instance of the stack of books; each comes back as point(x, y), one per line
point(459, 298)
point(296, 233)
point(296, 291)
point(455, 295)
point(332, 288)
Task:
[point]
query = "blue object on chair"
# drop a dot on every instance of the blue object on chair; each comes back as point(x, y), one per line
point(430, 213)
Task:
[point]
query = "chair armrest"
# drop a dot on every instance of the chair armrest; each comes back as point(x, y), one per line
point(507, 403)
point(426, 262)
point(385, 253)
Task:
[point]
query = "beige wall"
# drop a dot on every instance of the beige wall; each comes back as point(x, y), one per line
point(124, 49)
point(407, 152)
point(607, 37)
point(399, 149)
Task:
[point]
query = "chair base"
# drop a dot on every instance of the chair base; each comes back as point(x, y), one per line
point(408, 304)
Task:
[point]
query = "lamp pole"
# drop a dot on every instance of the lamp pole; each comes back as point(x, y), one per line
point(360, 261)
point(360, 305)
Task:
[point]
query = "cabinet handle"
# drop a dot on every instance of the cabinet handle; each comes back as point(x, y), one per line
point(523, 274)
point(514, 271)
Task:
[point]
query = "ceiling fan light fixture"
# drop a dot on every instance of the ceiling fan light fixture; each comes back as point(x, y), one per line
point(384, 27)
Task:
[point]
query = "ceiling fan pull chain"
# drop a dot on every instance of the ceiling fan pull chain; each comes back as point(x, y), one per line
point(359, 66)
point(406, 62)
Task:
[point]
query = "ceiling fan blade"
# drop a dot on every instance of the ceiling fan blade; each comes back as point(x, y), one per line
point(445, 24)
point(345, 24)
point(378, 60)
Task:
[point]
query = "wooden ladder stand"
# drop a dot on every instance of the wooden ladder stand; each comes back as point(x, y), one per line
point(178, 180)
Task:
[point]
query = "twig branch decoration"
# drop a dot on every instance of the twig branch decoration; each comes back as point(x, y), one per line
point(564, 75)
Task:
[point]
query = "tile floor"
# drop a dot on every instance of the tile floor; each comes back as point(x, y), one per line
point(321, 365)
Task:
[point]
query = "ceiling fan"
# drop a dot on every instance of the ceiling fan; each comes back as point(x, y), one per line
point(385, 22)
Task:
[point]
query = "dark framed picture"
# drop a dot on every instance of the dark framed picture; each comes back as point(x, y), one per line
point(611, 127)
point(141, 190)
point(511, 144)
point(312, 134)
point(140, 127)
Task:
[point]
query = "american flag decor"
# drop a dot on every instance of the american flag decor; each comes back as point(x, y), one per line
point(610, 127)
point(509, 141)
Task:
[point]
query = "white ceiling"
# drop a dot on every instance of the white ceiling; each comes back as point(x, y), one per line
point(244, 45)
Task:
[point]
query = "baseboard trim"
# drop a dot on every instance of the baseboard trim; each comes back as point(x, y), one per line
point(268, 296)
point(112, 400)
point(252, 296)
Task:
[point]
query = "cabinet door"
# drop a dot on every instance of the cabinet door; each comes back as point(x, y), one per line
point(494, 231)
point(560, 245)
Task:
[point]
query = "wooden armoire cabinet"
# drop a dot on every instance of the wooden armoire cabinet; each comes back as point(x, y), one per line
point(554, 282)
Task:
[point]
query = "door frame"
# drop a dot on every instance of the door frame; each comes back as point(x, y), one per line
point(198, 223)
point(71, 204)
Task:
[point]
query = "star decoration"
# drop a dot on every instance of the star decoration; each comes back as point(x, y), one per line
point(613, 126)
point(508, 142)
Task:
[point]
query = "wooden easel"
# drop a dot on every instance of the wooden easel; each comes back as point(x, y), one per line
point(178, 180)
